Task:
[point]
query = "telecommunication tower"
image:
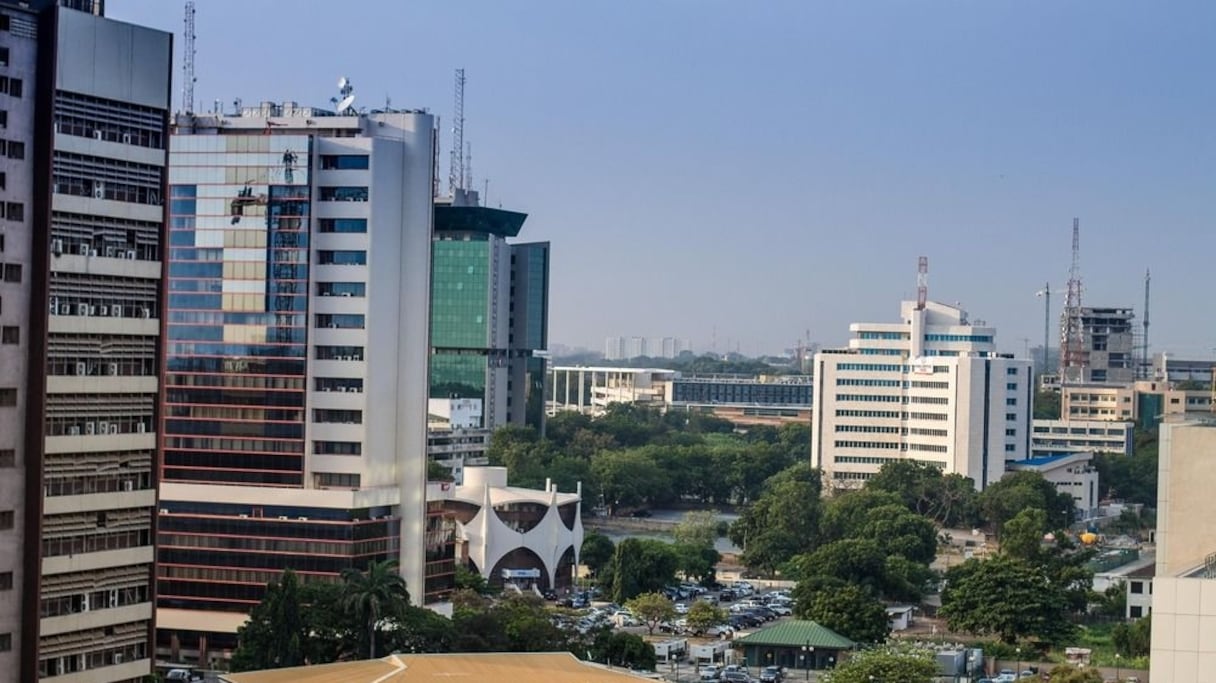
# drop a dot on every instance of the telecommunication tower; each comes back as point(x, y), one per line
point(1147, 371)
point(1071, 341)
point(456, 168)
point(922, 282)
point(188, 60)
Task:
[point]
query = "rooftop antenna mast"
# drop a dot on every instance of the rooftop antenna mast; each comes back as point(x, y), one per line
point(1070, 347)
point(468, 166)
point(1144, 351)
point(1046, 294)
point(188, 60)
point(435, 158)
point(456, 169)
point(922, 282)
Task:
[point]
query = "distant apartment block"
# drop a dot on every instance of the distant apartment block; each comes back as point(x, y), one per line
point(1167, 368)
point(455, 437)
point(931, 388)
point(591, 389)
point(1083, 435)
point(1107, 346)
point(626, 348)
point(1146, 403)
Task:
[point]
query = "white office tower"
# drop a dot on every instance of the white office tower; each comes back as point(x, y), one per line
point(929, 388)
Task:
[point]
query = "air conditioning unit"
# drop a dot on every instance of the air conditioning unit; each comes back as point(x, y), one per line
point(56, 246)
point(92, 252)
point(96, 135)
point(342, 389)
point(82, 249)
point(284, 517)
point(126, 138)
point(82, 369)
point(103, 427)
point(103, 310)
point(114, 591)
point(243, 516)
point(145, 312)
point(115, 311)
point(82, 309)
point(109, 252)
point(164, 511)
point(99, 190)
point(130, 254)
point(117, 655)
point(74, 430)
point(326, 388)
point(128, 485)
point(84, 603)
point(140, 427)
point(112, 369)
point(345, 293)
point(92, 310)
point(90, 428)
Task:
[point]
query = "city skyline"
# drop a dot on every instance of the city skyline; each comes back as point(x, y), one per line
point(792, 152)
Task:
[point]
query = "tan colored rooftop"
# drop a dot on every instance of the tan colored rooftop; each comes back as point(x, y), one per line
point(555, 667)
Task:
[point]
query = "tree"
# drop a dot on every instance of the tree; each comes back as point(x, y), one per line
point(629, 478)
point(420, 630)
point(1023, 535)
point(696, 562)
point(1020, 490)
point(641, 566)
point(1067, 673)
point(848, 609)
point(596, 551)
point(896, 662)
point(1134, 639)
point(623, 649)
point(697, 528)
point(652, 609)
point(275, 634)
point(1046, 405)
point(949, 500)
point(438, 472)
point(702, 615)
point(1008, 597)
point(784, 520)
point(468, 579)
point(373, 595)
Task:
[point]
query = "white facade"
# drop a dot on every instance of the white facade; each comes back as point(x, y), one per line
point(1069, 472)
point(930, 388)
point(1089, 435)
point(549, 529)
point(591, 389)
point(455, 437)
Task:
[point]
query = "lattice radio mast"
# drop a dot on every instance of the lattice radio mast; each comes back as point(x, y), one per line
point(1071, 342)
point(188, 60)
point(456, 167)
point(922, 282)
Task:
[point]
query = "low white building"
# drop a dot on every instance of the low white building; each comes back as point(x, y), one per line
point(590, 390)
point(527, 537)
point(1071, 472)
point(1087, 435)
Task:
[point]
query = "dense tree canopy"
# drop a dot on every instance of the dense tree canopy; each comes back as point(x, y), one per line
point(783, 522)
point(1017, 491)
point(851, 610)
point(1008, 597)
point(896, 662)
point(946, 499)
point(641, 565)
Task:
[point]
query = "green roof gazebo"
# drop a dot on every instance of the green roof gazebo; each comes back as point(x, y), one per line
point(794, 644)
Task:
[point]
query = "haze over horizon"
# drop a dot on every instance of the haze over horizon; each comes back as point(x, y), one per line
point(771, 168)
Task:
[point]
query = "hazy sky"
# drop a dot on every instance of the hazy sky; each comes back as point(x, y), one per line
point(767, 168)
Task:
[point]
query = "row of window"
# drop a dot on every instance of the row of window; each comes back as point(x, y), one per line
point(972, 338)
point(892, 446)
point(892, 367)
point(875, 460)
point(892, 414)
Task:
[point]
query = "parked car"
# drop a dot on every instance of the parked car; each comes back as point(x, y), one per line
point(710, 673)
point(735, 677)
point(781, 610)
point(182, 675)
point(681, 608)
point(771, 674)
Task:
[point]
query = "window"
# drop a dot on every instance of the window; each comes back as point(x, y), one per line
point(6, 581)
point(1137, 587)
point(12, 272)
point(14, 211)
point(342, 321)
point(7, 518)
point(356, 289)
point(8, 397)
point(8, 457)
point(10, 86)
point(1011, 401)
point(10, 334)
point(3, 180)
point(344, 162)
point(4, 22)
point(1010, 447)
point(6, 642)
point(337, 448)
point(1011, 371)
point(1011, 432)
point(342, 258)
point(3, 56)
point(339, 353)
point(1011, 417)
point(343, 225)
point(343, 194)
point(1011, 386)
point(1136, 611)
point(327, 480)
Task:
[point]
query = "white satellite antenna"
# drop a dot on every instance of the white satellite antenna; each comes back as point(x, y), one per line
point(346, 92)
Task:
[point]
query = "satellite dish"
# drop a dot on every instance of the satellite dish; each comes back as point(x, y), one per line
point(342, 83)
point(344, 105)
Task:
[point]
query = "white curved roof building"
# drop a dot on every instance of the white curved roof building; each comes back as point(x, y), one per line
point(514, 533)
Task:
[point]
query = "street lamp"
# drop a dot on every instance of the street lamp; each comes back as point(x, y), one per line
point(808, 658)
point(1118, 670)
point(1018, 673)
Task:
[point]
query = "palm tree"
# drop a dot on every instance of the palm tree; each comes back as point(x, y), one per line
point(373, 594)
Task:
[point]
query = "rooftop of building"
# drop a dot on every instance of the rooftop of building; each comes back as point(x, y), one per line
point(797, 633)
point(547, 667)
point(481, 219)
point(1052, 459)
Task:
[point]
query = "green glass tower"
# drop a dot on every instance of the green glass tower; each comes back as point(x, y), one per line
point(489, 313)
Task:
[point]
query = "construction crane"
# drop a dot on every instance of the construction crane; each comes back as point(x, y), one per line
point(188, 60)
point(1071, 343)
point(456, 167)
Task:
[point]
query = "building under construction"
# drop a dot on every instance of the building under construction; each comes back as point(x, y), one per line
point(1103, 349)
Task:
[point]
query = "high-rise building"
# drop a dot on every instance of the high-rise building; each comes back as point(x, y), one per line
point(296, 378)
point(1105, 351)
point(84, 117)
point(489, 312)
point(930, 388)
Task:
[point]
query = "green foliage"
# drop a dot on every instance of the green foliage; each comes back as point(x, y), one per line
point(1130, 478)
point(1022, 536)
point(1134, 639)
point(783, 522)
point(372, 595)
point(596, 552)
point(896, 662)
point(1020, 490)
point(1046, 405)
point(851, 610)
point(1111, 603)
point(697, 528)
point(702, 615)
point(513, 623)
point(696, 562)
point(276, 632)
point(949, 500)
point(652, 609)
point(1008, 597)
point(1066, 673)
point(629, 479)
point(641, 566)
point(619, 648)
point(467, 579)
point(438, 472)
